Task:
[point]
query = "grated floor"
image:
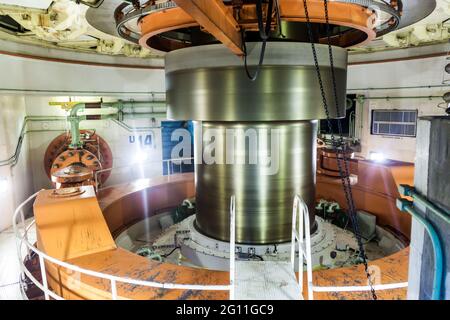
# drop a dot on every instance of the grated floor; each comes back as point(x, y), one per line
point(266, 280)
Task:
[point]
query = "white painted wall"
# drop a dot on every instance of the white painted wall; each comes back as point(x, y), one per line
point(26, 87)
point(386, 80)
point(39, 4)
point(408, 73)
point(395, 148)
point(15, 182)
point(62, 81)
point(124, 152)
point(72, 79)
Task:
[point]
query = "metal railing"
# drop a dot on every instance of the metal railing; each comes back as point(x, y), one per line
point(22, 241)
point(21, 230)
point(305, 251)
point(304, 243)
point(169, 163)
point(232, 246)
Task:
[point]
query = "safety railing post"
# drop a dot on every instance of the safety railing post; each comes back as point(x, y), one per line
point(305, 215)
point(232, 245)
point(22, 221)
point(302, 235)
point(301, 246)
point(294, 236)
point(113, 289)
point(43, 258)
point(96, 181)
point(44, 276)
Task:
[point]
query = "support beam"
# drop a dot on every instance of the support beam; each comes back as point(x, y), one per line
point(217, 19)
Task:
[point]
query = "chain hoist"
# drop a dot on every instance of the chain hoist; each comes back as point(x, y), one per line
point(338, 146)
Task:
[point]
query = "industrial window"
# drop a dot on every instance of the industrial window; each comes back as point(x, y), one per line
point(401, 123)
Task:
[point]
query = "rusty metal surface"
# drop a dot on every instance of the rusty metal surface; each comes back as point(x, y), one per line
point(376, 191)
point(96, 146)
point(327, 162)
point(73, 176)
point(120, 207)
point(128, 203)
point(70, 227)
point(389, 270)
point(172, 19)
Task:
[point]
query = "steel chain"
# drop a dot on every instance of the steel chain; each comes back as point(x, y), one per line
point(338, 146)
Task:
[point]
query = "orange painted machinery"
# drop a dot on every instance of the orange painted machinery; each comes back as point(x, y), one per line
point(67, 166)
point(374, 188)
point(78, 227)
point(170, 25)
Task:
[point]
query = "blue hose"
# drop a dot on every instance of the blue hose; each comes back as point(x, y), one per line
point(405, 205)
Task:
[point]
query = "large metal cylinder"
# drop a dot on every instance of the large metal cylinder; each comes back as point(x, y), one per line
point(209, 84)
point(265, 189)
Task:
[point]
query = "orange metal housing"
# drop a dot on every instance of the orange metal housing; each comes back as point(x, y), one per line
point(76, 231)
point(376, 190)
point(95, 154)
point(199, 13)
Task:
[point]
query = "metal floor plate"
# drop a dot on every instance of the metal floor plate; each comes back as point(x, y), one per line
point(266, 280)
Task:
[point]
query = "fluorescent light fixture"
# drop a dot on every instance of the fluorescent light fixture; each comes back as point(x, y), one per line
point(377, 157)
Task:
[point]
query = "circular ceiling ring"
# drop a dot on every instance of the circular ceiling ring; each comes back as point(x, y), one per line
point(122, 18)
point(168, 17)
point(386, 27)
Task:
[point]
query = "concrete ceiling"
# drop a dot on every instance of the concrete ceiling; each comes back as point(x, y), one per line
point(63, 25)
point(37, 4)
point(429, 31)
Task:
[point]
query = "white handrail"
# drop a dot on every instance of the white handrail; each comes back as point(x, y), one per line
point(300, 209)
point(22, 239)
point(377, 287)
point(232, 245)
point(312, 288)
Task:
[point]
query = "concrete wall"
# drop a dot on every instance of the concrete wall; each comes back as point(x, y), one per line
point(36, 82)
point(411, 78)
point(431, 180)
point(26, 87)
point(25, 75)
point(396, 148)
point(125, 153)
point(134, 160)
point(15, 182)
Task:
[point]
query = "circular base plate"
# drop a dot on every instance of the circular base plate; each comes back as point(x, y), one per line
point(205, 252)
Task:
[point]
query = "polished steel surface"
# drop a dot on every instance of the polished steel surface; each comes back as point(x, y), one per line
point(416, 10)
point(102, 18)
point(208, 84)
point(211, 84)
point(263, 200)
point(277, 54)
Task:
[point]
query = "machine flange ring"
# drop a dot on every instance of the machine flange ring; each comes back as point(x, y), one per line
point(171, 17)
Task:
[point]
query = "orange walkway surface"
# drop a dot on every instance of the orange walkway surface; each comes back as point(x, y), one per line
point(126, 204)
